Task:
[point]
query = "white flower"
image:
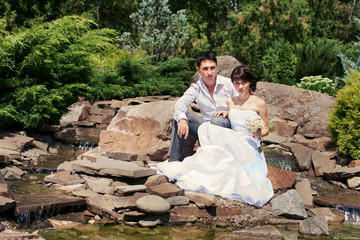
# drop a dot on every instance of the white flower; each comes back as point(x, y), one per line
point(254, 123)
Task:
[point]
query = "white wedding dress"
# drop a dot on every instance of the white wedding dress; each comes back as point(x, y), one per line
point(227, 163)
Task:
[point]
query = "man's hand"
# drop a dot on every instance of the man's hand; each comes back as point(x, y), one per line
point(183, 128)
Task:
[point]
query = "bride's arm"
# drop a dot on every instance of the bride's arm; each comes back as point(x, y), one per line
point(263, 114)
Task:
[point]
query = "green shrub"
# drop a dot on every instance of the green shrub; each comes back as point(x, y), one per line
point(319, 84)
point(46, 68)
point(319, 56)
point(344, 119)
point(279, 64)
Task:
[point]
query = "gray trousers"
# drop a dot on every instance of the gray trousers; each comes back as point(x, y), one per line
point(194, 121)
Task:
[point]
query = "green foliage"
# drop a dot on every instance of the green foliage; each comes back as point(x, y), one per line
point(348, 64)
point(319, 84)
point(44, 69)
point(344, 120)
point(140, 77)
point(108, 13)
point(279, 64)
point(162, 32)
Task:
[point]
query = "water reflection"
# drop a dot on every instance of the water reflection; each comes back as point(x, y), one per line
point(351, 213)
point(86, 145)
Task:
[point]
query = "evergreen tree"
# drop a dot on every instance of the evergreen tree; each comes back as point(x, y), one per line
point(161, 31)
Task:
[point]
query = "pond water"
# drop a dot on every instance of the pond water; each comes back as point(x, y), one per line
point(108, 232)
point(33, 185)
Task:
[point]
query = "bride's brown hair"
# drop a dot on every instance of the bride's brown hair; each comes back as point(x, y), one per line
point(244, 73)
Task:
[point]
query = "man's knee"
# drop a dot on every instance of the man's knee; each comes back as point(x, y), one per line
point(220, 121)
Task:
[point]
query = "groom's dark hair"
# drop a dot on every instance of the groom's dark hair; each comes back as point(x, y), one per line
point(205, 56)
point(245, 73)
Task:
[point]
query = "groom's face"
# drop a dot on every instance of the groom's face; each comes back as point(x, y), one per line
point(207, 71)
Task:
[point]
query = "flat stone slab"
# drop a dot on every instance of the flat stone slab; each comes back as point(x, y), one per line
point(126, 156)
point(341, 173)
point(6, 203)
point(64, 178)
point(41, 206)
point(7, 155)
point(113, 168)
point(261, 232)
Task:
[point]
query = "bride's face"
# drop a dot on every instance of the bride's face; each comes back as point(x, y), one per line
point(242, 87)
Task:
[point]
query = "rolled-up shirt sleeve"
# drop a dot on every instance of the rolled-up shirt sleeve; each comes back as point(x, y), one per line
point(184, 102)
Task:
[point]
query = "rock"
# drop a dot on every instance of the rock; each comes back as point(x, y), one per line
point(155, 180)
point(153, 204)
point(187, 211)
point(113, 168)
point(353, 182)
point(22, 140)
point(10, 145)
point(100, 185)
point(102, 206)
point(67, 221)
point(165, 190)
point(84, 193)
point(310, 110)
point(332, 215)
point(340, 173)
point(289, 204)
point(143, 129)
point(41, 145)
point(71, 188)
point(319, 143)
point(302, 154)
point(209, 200)
point(126, 156)
point(74, 112)
point(281, 179)
point(322, 163)
point(262, 232)
point(34, 152)
point(178, 200)
point(118, 202)
point(273, 138)
point(6, 204)
point(305, 191)
point(354, 163)
point(283, 128)
point(15, 170)
point(231, 211)
point(64, 178)
point(143, 223)
point(65, 166)
point(20, 235)
point(7, 155)
point(131, 203)
point(128, 190)
point(314, 226)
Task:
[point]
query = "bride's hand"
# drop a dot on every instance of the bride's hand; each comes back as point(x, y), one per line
point(218, 114)
point(257, 133)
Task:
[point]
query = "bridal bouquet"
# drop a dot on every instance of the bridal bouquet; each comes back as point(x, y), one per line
point(254, 123)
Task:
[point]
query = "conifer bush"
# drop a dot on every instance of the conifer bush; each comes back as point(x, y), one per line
point(46, 68)
point(344, 119)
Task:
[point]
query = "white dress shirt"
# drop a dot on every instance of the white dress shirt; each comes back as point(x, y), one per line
point(199, 93)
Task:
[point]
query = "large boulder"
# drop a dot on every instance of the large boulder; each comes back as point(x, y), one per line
point(143, 128)
point(307, 108)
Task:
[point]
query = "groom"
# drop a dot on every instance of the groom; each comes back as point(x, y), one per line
point(210, 92)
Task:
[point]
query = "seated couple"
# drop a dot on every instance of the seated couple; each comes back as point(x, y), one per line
point(230, 161)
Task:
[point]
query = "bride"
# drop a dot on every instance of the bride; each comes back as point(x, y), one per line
point(230, 162)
